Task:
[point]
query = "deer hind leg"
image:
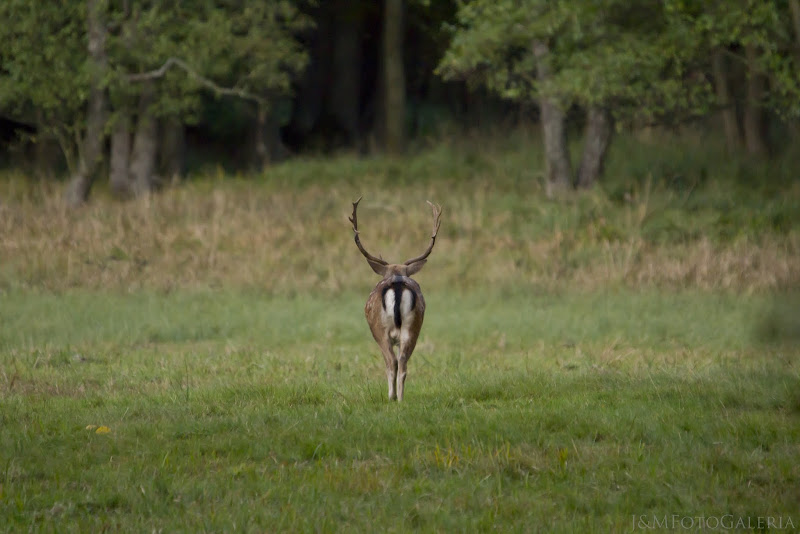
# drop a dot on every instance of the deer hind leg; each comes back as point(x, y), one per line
point(391, 367)
point(406, 348)
point(402, 362)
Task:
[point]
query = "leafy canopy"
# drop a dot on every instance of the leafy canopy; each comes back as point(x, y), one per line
point(640, 59)
point(44, 65)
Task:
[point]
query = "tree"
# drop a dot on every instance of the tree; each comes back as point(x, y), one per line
point(560, 54)
point(508, 47)
point(758, 37)
point(394, 82)
point(616, 60)
point(45, 71)
point(557, 164)
point(238, 49)
point(753, 112)
point(92, 143)
point(328, 111)
point(719, 65)
point(597, 138)
point(78, 70)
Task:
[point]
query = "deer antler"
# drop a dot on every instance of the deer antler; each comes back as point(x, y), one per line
point(354, 221)
point(437, 213)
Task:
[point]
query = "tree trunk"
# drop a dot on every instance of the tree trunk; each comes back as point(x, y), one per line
point(46, 152)
point(557, 165)
point(753, 114)
point(145, 144)
point(263, 150)
point(345, 90)
point(394, 85)
point(727, 109)
point(119, 173)
point(173, 149)
point(595, 146)
point(91, 150)
point(794, 6)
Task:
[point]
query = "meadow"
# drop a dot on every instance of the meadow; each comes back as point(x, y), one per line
point(199, 361)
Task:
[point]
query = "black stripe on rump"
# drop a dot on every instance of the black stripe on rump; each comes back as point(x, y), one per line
point(398, 297)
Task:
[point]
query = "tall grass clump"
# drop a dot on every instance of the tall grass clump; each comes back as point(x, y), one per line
point(666, 215)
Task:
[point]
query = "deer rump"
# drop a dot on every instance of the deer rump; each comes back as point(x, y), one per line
point(398, 304)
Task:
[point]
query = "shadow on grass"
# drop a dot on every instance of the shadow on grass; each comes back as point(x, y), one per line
point(780, 324)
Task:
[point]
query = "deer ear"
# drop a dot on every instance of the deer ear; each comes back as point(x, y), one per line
point(379, 268)
point(415, 267)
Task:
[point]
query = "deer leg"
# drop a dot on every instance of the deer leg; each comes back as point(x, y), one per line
point(408, 341)
point(402, 363)
point(391, 367)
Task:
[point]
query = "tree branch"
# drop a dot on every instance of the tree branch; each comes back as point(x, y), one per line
point(202, 80)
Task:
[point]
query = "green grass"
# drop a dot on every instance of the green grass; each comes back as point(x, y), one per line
point(523, 412)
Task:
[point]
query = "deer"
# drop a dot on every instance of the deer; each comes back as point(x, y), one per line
point(395, 308)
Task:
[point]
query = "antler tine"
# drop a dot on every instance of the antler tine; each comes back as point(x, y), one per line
point(437, 214)
point(354, 222)
point(354, 218)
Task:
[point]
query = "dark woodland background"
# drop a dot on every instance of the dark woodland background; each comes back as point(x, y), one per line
point(141, 93)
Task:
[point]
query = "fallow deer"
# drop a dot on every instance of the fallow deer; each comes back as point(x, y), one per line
point(395, 308)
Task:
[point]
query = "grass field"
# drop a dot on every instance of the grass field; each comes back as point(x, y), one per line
point(199, 361)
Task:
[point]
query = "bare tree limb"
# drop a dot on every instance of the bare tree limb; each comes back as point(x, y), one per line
point(202, 80)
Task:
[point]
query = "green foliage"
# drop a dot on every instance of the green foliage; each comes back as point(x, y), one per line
point(243, 45)
point(43, 65)
point(764, 25)
point(645, 60)
point(612, 53)
point(44, 80)
point(491, 45)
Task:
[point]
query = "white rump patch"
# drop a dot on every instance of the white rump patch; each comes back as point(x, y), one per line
point(387, 315)
point(388, 303)
point(405, 306)
point(406, 315)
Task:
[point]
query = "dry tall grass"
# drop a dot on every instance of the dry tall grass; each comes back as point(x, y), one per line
point(284, 239)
